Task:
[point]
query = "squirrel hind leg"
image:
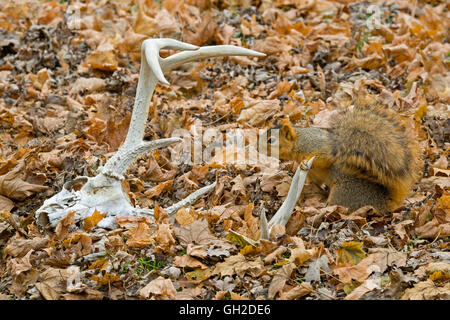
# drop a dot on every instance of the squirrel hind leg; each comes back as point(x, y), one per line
point(353, 192)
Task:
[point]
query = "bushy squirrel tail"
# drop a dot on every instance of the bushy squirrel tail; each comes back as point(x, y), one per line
point(372, 143)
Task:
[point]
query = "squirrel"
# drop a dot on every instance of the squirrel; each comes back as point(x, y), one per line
point(366, 158)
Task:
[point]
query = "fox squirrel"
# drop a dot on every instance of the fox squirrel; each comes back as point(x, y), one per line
point(365, 159)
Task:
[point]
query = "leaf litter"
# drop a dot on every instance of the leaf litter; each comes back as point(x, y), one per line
point(68, 76)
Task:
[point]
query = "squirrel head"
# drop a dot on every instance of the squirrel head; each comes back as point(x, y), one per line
point(279, 141)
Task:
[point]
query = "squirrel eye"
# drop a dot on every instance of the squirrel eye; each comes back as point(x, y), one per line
point(271, 140)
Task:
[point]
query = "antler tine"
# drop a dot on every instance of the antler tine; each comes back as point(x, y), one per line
point(284, 213)
point(158, 65)
point(180, 58)
point(150, 49)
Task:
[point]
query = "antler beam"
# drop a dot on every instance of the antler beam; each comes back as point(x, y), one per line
point(104, 191)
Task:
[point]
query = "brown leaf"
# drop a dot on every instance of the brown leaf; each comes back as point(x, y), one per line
point(204, 31)
point(164, 238)
point(299, 254)
point(427, 290)
point(62, 229)
point(52, 283)
point(103, 58)
point(195, 233)
point(358, 272)
point(279, 280)
point(162, 24)
point(20, 247)
point(13, 187)
point(188, 261)
point(93, 220)
point(238, 264)
point(132, 222)
point(161, 216)
point(158, 287)
point(297, 292)
point(156, 191)
point(87, 85)
point(186, 216)
point(140, 236)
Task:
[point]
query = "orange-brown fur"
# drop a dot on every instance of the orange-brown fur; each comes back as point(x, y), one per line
point(366, 158)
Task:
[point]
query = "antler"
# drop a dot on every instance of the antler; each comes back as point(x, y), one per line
point(284, 213)
point(104, 191)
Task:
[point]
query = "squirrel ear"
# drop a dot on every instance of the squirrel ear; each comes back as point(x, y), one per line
point(287, 132)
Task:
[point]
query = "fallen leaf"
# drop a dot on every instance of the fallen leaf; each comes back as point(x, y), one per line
point(140, 236)
point(189, 262)
point(195, 233)
point(350, 253)
point(62, 228)
point(91, 221)
point(279, 280)
point(158, 287)
point(13, 187)
point(427, 290)
point(240, 265)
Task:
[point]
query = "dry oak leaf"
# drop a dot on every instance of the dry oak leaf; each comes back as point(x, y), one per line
point(204, 31)
point(427, 290)
point(350, 253)
point(91, 221)
point(103, 58)
point(140, 236)
point(196, 251)
point(189, 262)
point(162, 24)
point(258, 111)
point(132, 222)
point(5, 204)
point(158, 287)
point(279, 280)
point(372, 61)
point(164, 237)
point(367, 286)
point(299, 254)
point(62, 229)
point(20, 247)
point(388, 257)
point(105, 278)
point(22, 273)
point(160, 188)
point(195, 233)
point(296, 292)
point(81, 241)
point(239, 265)
point(358, 272)
point(186, 216)
point(271, 46)
point(20, 265)
point(87, 85)
point(52, 283)
point(440, 224)
point(13, 187)
point(160, 216)
point(431, 268)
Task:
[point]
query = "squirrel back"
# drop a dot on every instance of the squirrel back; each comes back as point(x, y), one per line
point(369, 143)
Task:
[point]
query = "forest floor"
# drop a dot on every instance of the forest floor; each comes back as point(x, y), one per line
point(68, 76)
